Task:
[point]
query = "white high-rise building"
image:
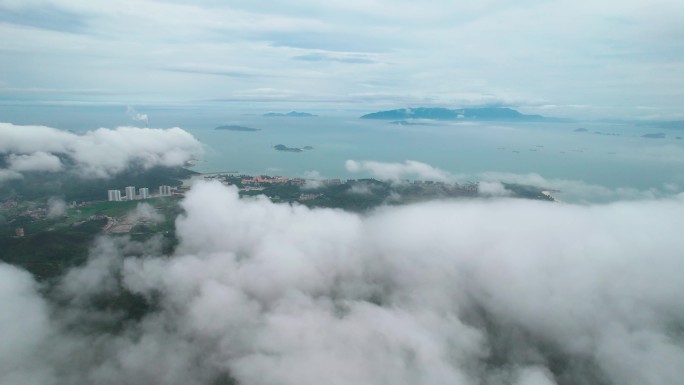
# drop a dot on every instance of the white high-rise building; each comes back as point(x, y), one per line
point(130, 193)
point(165, 191)
point(144, 193)
point(114, 195)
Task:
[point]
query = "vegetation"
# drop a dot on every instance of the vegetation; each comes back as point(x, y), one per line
point(48, 253)
point(72, 187)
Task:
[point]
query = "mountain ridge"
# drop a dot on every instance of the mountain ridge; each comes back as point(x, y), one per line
point(440, 113)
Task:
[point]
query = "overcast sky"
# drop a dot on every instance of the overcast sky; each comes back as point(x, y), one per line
point(589, 58)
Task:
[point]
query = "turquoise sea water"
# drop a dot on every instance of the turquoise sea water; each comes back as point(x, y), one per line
point(553, 150)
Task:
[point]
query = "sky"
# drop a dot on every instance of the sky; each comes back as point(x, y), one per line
point(593, 59)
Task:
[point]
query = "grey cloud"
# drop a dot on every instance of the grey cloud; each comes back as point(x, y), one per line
point(6, 175)
point(429, 51)
point(46, 16)
point(468, 292)
point(327, 41)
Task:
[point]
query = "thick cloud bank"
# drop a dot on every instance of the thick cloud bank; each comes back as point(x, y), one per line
point(98, 153)
point(469, 292)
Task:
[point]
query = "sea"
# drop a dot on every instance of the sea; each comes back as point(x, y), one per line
point(612, 155)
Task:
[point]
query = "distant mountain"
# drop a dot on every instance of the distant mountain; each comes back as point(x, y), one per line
point(236, 128)
point(486, 113)
point(292, 114)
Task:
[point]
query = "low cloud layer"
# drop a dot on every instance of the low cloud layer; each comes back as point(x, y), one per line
point(491, 183)
point(37, 161)
point(396, 172)
point(471, 292)
point(56, 207)
point(98, 153)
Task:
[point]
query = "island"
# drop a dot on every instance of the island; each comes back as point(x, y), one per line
point(232, 127)
point(484, 113)
point(291, 114)
point(581, 129)
point(606, 133)
point(658, 135)
point(284, 148)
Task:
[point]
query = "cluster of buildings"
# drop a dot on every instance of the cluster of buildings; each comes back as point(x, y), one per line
point(260, 179)
point(143, 193)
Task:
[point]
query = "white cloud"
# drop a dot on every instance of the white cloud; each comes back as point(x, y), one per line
point(98, 153)
point(495, 189)
point(37, 161)
point(56, 207)
point(145, 212)
point(6, 175)
point(360, 189)
point(138, 117)
point(314, 180)
point(395, 172)
point(469, 292)
point(25, 319)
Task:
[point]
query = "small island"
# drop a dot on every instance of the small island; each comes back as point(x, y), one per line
point(291, 114)
point(606, 133)
point(232, 127)
point(284, 148)
point(581, 129)
point(659, 135)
